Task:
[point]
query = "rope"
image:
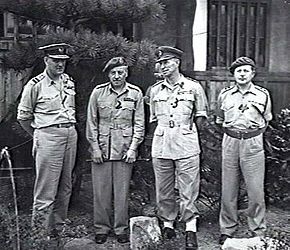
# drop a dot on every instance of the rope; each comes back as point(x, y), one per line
point(20, 145)
point(5, 155)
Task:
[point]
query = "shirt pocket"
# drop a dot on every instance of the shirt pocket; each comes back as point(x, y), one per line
point(49, 103)
point(104, 109)
point(190, 139)
point(127, 110)
point(70, 98)
point(160, 103)
point(230, 113)
point(256, 113)
point(159, 131)
point(185, 103)
point(158, 141)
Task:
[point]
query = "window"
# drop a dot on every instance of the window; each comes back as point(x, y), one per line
point(236, 28)
point(1, 24)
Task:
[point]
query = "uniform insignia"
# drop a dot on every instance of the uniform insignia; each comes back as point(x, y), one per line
point(37, 78)
point(185, 92)
point(260, 88)
point(118, 105)
point(175, 103)
point(227, 89)
point(61, 50)
point(129, 99)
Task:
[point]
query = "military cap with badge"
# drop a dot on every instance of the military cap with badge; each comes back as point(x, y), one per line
point(240, 62)
point(167, 52)
point(115, 62)
point(56, 50)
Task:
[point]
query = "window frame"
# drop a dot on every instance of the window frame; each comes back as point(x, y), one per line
point(231, 26)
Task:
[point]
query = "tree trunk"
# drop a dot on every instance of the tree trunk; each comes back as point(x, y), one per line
point(184, 16)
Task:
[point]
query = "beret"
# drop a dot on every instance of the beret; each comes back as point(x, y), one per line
point(56, 50)
point(241, 61)
point(167, 52)
point(115, 62)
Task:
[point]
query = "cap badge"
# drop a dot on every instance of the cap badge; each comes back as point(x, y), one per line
point(61, 50)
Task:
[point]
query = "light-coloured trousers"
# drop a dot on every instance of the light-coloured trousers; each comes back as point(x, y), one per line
point(54, 151)
point(187, 174)
point(111, 181)
point(245, 156)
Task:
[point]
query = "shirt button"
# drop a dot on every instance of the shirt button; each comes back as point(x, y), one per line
point(171, 115)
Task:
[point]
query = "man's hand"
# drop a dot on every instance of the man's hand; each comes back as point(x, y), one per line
point(130, 156)
point(200, 122)
point(26, 125)
point(98, 156)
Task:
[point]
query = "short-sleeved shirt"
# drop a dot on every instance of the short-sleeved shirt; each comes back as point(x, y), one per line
point(115, 121)
point(173, 107)
point(46, 103)
point(249, 110)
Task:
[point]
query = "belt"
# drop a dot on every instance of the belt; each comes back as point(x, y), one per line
point(63, 125)
point(240, 134)
point(172, 123)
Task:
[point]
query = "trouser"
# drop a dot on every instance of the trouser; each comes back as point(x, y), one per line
point(246, 155)
point(111, 178)
point(54, 151)
point(187, 173)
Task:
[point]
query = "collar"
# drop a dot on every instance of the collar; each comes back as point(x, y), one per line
point(179, 83)
point(124, 90)
point(49, 80)
point(250, 90)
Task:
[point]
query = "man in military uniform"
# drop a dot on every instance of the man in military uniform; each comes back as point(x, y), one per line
point(178, 104)
point(115, 128)
point(244, 111)
point(47, 112)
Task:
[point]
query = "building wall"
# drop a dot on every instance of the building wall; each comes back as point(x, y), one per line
point(279, 41)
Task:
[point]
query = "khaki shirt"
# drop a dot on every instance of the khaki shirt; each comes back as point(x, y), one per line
point(46, 104)
point(115, 122)
point(174, 108)
point(249, 110)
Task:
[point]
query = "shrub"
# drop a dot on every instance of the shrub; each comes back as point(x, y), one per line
point(277, 146)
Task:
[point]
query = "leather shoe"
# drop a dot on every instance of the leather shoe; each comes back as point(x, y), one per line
point(223, 238)
point(168, 233)
point(190, 241)
point(122, 238)
point(101, 238)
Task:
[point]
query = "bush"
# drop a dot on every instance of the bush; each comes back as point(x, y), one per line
point(277, 146)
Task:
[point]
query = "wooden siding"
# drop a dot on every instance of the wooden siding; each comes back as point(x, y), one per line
point(11, 83)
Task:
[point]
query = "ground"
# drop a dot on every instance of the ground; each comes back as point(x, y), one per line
point(80, 223)
point(278, 221)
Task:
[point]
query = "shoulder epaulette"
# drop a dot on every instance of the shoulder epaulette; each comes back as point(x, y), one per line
point(261, 89)
point(132, 86)
point(191, 79)
point(38, 78)
point(157, 83)
point(102, 85)
point(224, 90)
